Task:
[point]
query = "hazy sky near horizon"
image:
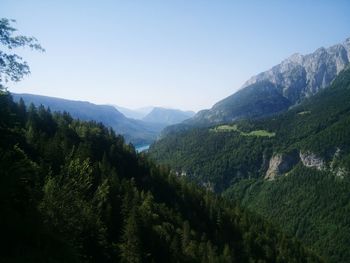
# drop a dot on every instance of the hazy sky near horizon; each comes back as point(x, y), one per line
point(185, 54)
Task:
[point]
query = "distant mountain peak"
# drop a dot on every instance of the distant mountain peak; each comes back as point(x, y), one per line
point(167, 116)
point(304, 75)
point(284, 85)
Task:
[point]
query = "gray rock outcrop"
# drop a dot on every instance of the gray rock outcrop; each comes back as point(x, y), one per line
point(311, 160)
point(301, 76)
point(280, 164)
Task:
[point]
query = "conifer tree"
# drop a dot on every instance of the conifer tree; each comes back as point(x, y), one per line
point(130, 245)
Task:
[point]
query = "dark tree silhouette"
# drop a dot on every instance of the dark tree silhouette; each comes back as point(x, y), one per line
point(12, 66)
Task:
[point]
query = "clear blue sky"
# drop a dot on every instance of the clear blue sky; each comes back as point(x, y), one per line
point(184, 54)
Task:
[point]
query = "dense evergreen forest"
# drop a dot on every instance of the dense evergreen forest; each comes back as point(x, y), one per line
point(73, 191)
point(311, 202)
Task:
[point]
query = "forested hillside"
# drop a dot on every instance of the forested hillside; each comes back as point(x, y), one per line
point(135, 131)
point(308, 204)
point(280, 166)
point(73, 191)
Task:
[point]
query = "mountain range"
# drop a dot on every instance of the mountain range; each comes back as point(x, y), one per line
point(134, 113)
point(158, 115)
point(275, 90)
point(280, 147)
point(292, 168)
point(137, 131)
point(167, 116)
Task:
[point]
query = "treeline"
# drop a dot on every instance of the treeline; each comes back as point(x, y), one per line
point(73, 191)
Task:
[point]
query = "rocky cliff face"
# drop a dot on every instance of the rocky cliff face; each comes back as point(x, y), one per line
point(347, 46)
point(281, 164)
point(311, 160)
point(301, 76)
